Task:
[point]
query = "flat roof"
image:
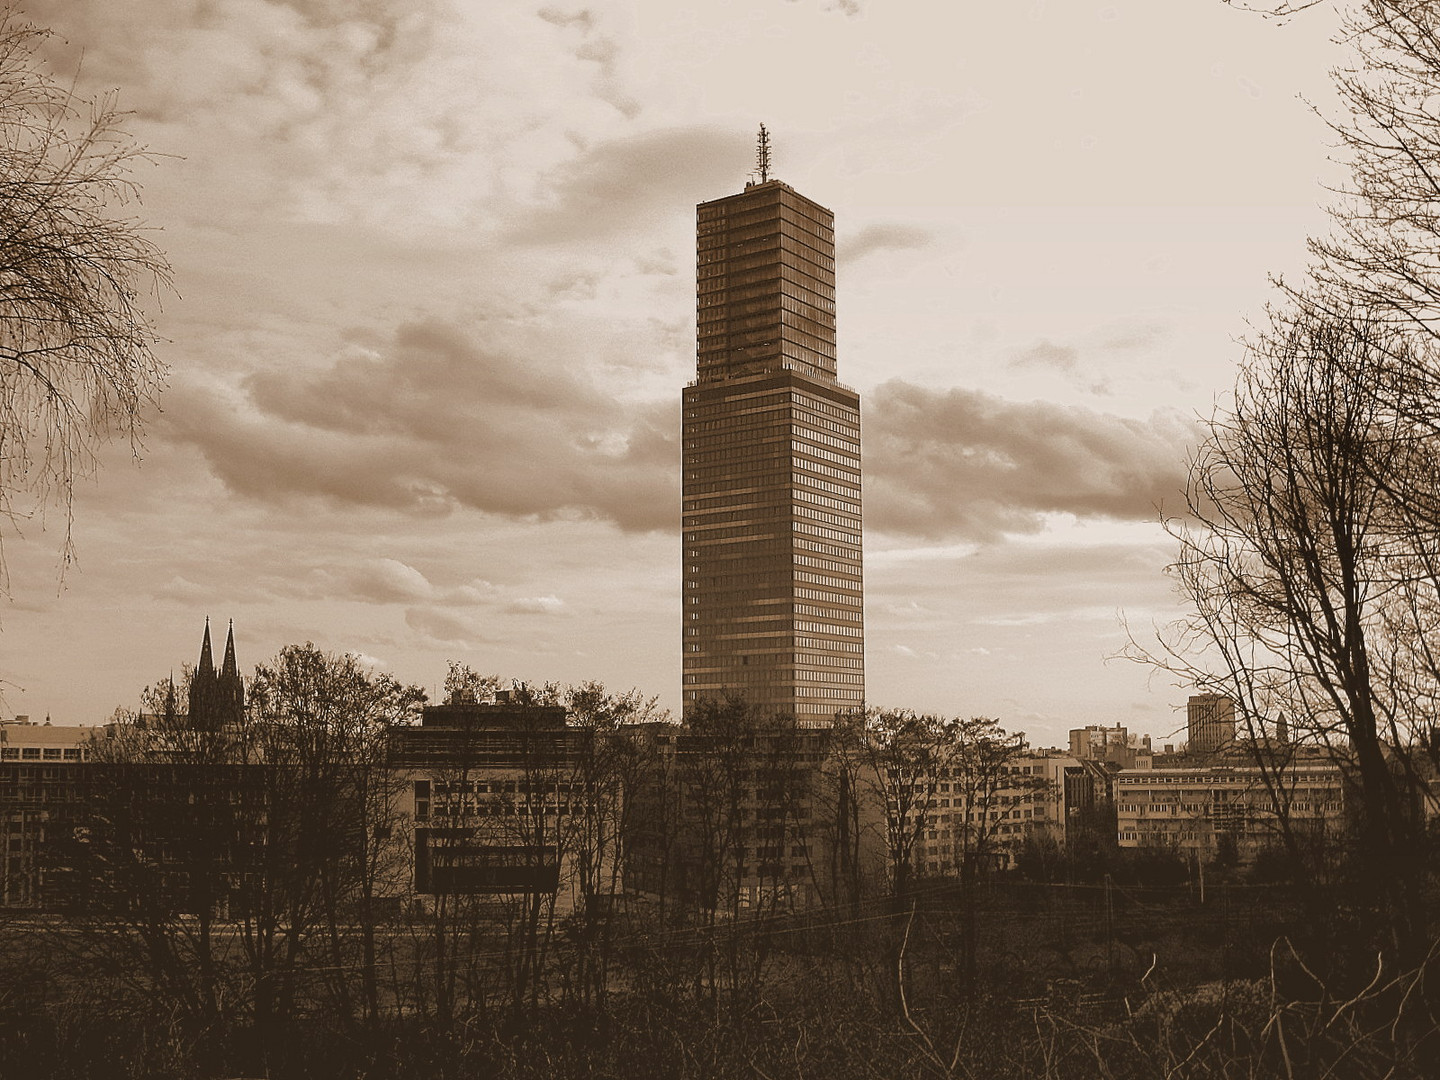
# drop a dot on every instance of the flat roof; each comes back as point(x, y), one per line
point(45, 734)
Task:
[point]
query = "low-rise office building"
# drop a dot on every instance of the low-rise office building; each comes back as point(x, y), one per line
point(1032, 796)
point(39, 794)
point(1197, 809)
point(501, 799)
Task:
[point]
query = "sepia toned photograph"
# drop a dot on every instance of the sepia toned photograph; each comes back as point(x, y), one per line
point(768, 539)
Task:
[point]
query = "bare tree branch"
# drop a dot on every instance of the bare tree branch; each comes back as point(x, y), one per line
point(77, 366)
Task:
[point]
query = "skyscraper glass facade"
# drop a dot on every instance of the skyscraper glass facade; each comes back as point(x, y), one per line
point(772, 511)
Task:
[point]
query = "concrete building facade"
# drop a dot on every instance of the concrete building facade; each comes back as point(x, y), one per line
point(498, 800)
point(1192, 809)
point(1030, 799)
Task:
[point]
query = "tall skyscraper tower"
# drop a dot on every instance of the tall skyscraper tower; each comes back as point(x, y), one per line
point(772, 555)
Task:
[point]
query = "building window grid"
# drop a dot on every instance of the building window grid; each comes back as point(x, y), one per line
point(852, 460)
point(719, 507)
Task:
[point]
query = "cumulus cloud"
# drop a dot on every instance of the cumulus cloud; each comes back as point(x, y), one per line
point(963, 463)
point(330, 87)
point(432, 419)
point(386, 581)
point(873, 238)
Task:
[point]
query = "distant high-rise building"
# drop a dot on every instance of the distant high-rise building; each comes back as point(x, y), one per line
point(772, 550)
point(1211, 720)
point(1097, 743)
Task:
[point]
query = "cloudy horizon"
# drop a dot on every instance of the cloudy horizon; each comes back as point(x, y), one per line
point(435, 308)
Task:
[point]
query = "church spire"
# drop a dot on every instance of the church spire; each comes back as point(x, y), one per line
point(203, 686)
point(229, 670)
point(207, 660)
point(229, 688)
point(172, 710)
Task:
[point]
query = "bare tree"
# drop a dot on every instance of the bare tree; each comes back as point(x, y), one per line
point(152, 863)
point(841, 789)
point(603, 824)
point(463, 684)
point(1313, 592)
point(318, 725)
point(76, 339)
point(906, 754)
point(985, 788)
point(1384, 254)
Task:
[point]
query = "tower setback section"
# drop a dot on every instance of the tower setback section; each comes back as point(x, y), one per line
point(772, 509)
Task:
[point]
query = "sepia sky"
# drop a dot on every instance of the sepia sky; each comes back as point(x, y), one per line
point(436, 306)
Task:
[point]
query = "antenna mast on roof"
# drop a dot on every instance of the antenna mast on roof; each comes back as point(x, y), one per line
point(762, 154)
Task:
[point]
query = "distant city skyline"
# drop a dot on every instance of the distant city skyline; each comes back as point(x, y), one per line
point(436, 297)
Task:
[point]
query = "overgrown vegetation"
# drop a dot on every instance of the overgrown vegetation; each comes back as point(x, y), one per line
point(1074, 981)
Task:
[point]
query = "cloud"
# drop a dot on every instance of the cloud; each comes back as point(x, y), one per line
point(582, 18)
point(329, 87)
point(385, 581)
point(434, 418)
point(623, 185)
point(914, 654)
point(382, 114)
point(965, 464)
point(1134, 335)
point(185, 591)
point(602, 51)
point(444, 626)
point(845, 7)
point(536, 605)
point(1046, 354)
point(1043, 618)
point(448, 625)
point(873, 238)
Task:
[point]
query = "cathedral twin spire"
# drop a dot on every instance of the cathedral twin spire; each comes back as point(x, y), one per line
point(217, 700)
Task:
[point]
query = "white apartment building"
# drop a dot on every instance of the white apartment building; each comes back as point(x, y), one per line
point(1192, 808)
point(1029, 800)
